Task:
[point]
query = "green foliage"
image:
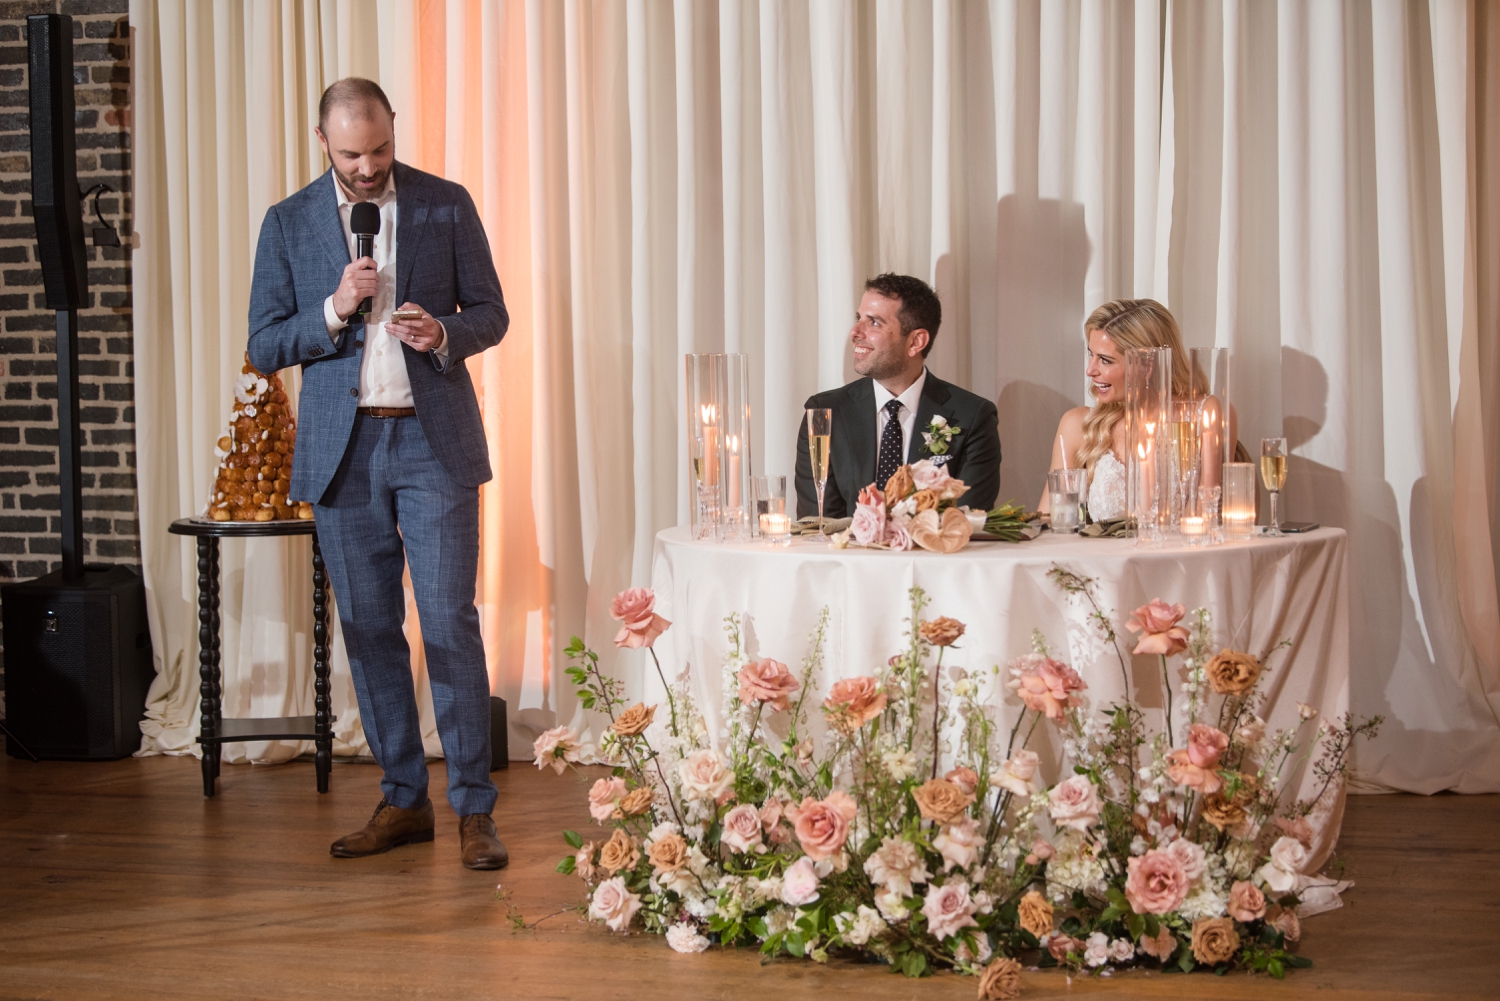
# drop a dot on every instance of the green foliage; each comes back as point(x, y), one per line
point(573, 839)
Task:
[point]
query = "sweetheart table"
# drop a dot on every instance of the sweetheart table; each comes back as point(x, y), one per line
point(1260, 591)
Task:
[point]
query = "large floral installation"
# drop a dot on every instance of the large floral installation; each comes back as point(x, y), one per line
point(916, 829)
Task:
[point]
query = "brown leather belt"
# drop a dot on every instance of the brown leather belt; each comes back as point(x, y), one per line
point(388, 411)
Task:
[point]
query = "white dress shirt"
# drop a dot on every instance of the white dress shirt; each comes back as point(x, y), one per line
point(908, 412)
point(383, 381)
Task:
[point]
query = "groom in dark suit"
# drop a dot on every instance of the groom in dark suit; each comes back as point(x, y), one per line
point(884, 420)
point(390, 447)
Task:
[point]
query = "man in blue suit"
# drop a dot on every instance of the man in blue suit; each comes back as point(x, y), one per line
point(390, 446)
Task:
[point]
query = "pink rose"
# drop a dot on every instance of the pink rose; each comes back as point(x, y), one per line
point(1190, 856)
point(555, 748)
point(1045, 685)
point(1157, 624)
point(959, 843)
point(742, 828)
point(771, 813)
point(1156, 883)
point(853, 702)
point(799, 885)
point(822, 825)
point(868, 525)
point(614, 904)
point(949, 909)
point(1017, 775)
point(1180, 769)
point(604, 796)
point(1285, 921)
point(1060, 945)
point(1205, 744)
point(872, 496)
point(769, 682)
point(1246, 903)
point(1161, 946)
point(1040, 852)
point(1075, 803)
point(897, 537)
point(1299, 829)
point(965, 778)
point(635, 607)
point(927, 476)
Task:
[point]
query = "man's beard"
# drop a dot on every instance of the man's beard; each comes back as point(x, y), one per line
point(352, 190)
point(883, 366)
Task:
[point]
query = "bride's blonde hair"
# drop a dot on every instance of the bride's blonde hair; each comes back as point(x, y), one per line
point(1130, 323)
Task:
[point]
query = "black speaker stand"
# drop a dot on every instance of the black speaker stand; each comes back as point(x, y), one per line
point(11, 738)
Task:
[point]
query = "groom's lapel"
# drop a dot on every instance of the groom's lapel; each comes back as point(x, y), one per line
point(412, 198)
point(329, 227)
point(935, 400)
point(861, 431)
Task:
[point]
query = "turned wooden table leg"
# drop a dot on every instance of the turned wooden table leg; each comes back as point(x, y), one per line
point(207, 695)
point(215, 576)
point(323, 723)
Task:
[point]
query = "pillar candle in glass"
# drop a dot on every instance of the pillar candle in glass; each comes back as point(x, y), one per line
point(1148, 398)
point(1239, 500)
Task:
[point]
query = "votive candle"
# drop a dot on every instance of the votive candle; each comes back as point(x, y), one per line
point(776, 527)
point(1193, 525)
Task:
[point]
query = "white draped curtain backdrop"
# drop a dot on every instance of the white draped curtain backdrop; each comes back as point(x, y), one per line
point(1310, 184)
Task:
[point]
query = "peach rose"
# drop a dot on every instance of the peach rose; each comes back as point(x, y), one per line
point(636, 801)
point(1018, 775)
point(768, 682)
point(822, 826)
point(1074, 802)
point(965, 778)
point(1215, 941)
point(635, 607)
point(1035, 914)
point(1197, 766)
point(1232, 673)
point(942, 632)
point(1246, 903)
point(1157, 624)
point(1156, 883)
point(1161, 946)
point(1222, 811)
point(619, 852)
point(668, 853)
point(925, 500)
point(1284, 920)
point(614, 904)
point(1000, 981)
point(583, 862)
point(871, 496)
point(941, 801)
point(603, 797)
point(741, 828)
point(899, 486)
point(704, 776)
point(1060, 945)
point(634, 721)
point(853, 702)
point(1045, 685)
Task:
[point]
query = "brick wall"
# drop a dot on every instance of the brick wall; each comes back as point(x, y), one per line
point(29, 507)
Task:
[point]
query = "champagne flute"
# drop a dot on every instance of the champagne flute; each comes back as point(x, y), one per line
point(819, 435)
point(1273, 475)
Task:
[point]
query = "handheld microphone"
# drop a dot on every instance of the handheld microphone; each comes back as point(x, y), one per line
point(364, 223)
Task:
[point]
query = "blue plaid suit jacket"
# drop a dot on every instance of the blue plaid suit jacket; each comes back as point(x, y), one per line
point(443, 264)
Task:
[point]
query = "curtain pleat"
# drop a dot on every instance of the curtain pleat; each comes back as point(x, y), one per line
point(1309, 184)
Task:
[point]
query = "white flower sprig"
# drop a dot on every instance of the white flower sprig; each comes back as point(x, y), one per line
point(940, 434)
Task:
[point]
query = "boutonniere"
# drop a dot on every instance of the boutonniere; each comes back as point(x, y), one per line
point(939, 435)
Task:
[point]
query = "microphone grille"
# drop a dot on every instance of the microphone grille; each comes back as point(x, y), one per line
point(364, 217)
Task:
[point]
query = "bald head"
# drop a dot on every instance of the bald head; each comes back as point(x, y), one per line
point(358, 98)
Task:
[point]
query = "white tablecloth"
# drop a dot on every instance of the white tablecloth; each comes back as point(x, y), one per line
point(1259, 591)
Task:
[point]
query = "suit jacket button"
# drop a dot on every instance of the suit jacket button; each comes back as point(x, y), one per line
point(359, 343)
point(353, 392)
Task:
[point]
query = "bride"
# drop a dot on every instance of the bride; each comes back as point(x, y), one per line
point(1094, 437)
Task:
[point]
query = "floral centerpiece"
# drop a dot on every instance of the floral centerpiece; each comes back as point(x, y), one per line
point(917, 829)
point(917, 507)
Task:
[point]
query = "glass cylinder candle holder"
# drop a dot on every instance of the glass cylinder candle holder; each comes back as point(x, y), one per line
point(716, 394)
point(1239, 500)
point(1149, 480)
point(768, 497)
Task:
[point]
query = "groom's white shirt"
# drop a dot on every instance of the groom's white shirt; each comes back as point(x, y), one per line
point(908, 411)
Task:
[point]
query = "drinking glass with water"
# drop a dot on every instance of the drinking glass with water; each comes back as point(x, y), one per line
point(1066, 487)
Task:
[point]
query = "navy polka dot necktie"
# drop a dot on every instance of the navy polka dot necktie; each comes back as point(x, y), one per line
point(890, 458)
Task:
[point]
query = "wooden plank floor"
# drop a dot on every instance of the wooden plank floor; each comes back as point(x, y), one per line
point(120, 881)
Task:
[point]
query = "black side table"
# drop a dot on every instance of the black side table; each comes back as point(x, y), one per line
point(216, 731)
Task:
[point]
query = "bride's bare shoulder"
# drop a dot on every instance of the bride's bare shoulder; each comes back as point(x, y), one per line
point(1072, 421)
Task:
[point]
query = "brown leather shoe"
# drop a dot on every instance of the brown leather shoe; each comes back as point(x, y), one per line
point(389, 827)
point(480, 847)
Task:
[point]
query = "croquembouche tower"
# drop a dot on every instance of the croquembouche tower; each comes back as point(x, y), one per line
point(255, 454)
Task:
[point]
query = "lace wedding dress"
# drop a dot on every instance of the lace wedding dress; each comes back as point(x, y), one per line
point(1107, 492)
